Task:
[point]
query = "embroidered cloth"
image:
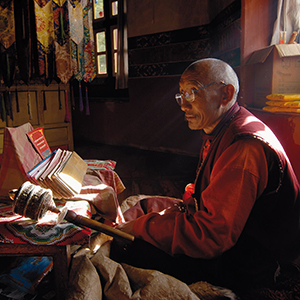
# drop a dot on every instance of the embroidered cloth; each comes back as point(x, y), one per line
point(62, 40)
point(45, 35)
point(21, 230)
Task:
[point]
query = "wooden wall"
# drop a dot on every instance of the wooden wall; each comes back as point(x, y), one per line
point(164, 38)
point(154, 16)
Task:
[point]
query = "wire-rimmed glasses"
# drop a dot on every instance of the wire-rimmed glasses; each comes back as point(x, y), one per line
point(189, 94)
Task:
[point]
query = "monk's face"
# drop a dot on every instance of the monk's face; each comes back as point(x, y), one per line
point(205, 111)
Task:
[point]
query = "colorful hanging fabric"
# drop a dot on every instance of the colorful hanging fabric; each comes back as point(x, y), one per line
point(76, 21)
point(2, 104)
point(34, 53)
point(89, 52)
point(72, 97)
point(63, 62)
point(7, 41)
point(29, 105)
point(67, 115)
point(23, 39)
point(62, 40)
point(80, 98)
point(87, 105)
point(10, 105)
point(77, 43)
point(45, 37)
point(17, 100)
point(7, 103)
point(76, 37)
point(7, 28)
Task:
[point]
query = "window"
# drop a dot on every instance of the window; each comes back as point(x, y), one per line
point(106, 36)
point(106, 25)
point(101, 53)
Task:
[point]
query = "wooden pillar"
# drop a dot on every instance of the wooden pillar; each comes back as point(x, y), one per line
point(257, 21)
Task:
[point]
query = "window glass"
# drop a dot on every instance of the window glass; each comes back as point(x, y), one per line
point(101, 64)
point(98, 9)
point(115, 39)
point(115, 63)
point(100, 41)
point(115, 48)
point(114, 8)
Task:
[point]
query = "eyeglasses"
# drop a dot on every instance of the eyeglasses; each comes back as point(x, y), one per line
point(189, 94)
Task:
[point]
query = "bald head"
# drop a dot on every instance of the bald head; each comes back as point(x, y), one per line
point(214, 70)
point(208, 89)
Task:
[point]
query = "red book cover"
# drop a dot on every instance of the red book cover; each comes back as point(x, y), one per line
point(39, 142)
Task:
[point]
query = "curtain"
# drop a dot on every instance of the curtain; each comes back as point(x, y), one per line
point(122, 53)
point(288, 19)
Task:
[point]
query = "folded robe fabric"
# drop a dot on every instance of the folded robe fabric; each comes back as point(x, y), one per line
point(281, 109)
point(289, 102)
point(293, 104)
point(284, 97)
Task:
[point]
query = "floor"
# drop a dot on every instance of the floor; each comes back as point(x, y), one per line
point(143, 171)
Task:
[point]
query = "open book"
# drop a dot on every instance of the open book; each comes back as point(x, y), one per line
point(62, 172)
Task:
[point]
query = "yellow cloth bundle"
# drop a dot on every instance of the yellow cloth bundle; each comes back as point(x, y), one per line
point(284, 97)
point(281, 109)
point(293, 104)
point(289, 102)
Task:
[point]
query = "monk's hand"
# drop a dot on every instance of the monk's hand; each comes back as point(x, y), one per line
point(178, 207)
point(126, 226)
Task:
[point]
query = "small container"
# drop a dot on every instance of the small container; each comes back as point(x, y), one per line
point(282, 37)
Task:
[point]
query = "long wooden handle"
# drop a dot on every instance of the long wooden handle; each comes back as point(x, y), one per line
point(72, 217)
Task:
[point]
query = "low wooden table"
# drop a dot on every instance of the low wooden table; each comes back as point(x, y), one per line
point(61, 260)
point(22, 237)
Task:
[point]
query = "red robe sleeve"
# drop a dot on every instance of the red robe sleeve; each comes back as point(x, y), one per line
point(238, 178)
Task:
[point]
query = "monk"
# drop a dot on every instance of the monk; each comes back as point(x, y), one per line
point(238, 224)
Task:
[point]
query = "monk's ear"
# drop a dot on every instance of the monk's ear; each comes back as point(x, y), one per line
point(227, 93)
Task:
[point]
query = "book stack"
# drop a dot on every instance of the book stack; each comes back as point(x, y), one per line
point(62, 172)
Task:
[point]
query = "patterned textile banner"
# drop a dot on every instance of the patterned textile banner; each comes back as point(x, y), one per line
point(7, 41)
point(89, 52)
point(46, 40)
point(45, 37)
point(62, 40)
point(76, 36)
point(7, 28)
